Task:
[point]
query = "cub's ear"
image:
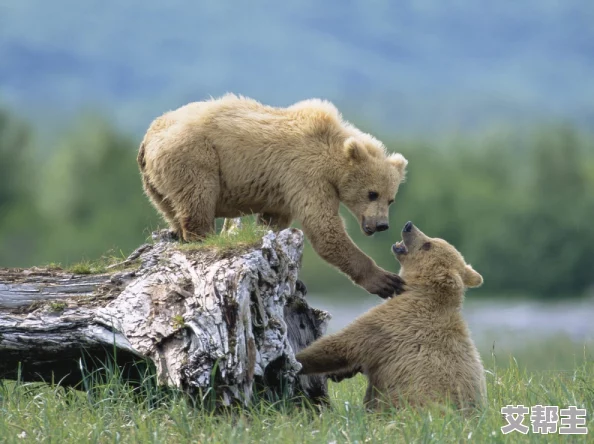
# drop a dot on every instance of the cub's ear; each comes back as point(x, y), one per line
point(471, 278)
point(355, 150)
point(398, 161)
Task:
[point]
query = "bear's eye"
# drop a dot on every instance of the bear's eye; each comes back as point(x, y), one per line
point(373, 195)
point(426, 246)
point(391, 201)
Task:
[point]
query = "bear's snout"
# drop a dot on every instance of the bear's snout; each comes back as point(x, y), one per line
point(367, 226)
point(382, 226)
point(407, 227)
point(370, 225)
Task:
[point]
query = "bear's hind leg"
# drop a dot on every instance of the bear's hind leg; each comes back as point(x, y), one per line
point(163, 205)
point(369, 399)
point(374, 399)
point(194, 192)
point(195, 207)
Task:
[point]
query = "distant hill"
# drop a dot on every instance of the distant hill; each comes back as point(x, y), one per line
point(410, 66)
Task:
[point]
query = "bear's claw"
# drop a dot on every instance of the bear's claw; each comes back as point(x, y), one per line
point(394, 285)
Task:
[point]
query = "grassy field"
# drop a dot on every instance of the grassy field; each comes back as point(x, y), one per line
point(114, 412)
point(528, 371)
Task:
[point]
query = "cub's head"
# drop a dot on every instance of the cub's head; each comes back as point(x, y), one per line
point(431, 263)
point(371, 181)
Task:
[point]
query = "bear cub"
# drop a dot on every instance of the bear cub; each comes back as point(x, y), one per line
point(234, 156)
point(415, 348)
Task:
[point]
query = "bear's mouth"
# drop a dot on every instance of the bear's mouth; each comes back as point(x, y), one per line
point(399, 248)
point(368, 231)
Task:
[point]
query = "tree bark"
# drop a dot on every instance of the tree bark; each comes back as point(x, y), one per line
point(225, 321)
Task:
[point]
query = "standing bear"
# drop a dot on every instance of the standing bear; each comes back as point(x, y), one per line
point(233, 156)
point(415, 348)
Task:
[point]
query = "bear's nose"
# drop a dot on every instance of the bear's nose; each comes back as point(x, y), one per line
point(407, 227)
point(382, 226)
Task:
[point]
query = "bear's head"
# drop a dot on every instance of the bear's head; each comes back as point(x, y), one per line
point(370, 182)
point(433, 265)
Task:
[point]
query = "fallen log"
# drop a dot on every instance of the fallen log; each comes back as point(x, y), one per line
point(229, 321)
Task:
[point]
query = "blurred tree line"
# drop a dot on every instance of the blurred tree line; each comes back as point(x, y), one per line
point(518, 204)
point(75, 200)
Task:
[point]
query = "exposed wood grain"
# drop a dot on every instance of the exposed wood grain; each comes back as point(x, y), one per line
point(231, 321)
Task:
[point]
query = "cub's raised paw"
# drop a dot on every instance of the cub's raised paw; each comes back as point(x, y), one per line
point(344, 374)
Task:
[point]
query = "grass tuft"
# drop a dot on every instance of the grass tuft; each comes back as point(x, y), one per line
point(101, 265)
point(54, 266)
point(57, 306)
point(84, 267)
point(249, 235)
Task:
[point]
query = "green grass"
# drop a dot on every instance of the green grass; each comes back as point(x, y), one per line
point(115, 412)
point(84, 267)
point(54, 266)
point(250, 234)
point(97, 266)
point(558, 353)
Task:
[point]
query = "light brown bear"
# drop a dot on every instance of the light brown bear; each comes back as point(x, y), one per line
point(415, 348)
point(233, 156)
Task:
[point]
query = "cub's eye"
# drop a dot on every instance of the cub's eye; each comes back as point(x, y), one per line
point(426, 246)
point(373, 195)
point(391, 201)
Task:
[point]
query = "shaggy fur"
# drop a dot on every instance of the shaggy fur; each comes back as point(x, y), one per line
point(233, 156)
point(415, 348)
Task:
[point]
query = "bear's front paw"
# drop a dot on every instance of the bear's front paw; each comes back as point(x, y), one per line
point(165, 235)
point(344, 374)
point(385, 284)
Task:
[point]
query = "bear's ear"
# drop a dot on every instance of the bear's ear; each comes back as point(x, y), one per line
point(354, 150)
point(471, 278)
point(398, 161)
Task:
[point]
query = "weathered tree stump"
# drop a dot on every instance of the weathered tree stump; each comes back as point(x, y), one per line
point(229, 321)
